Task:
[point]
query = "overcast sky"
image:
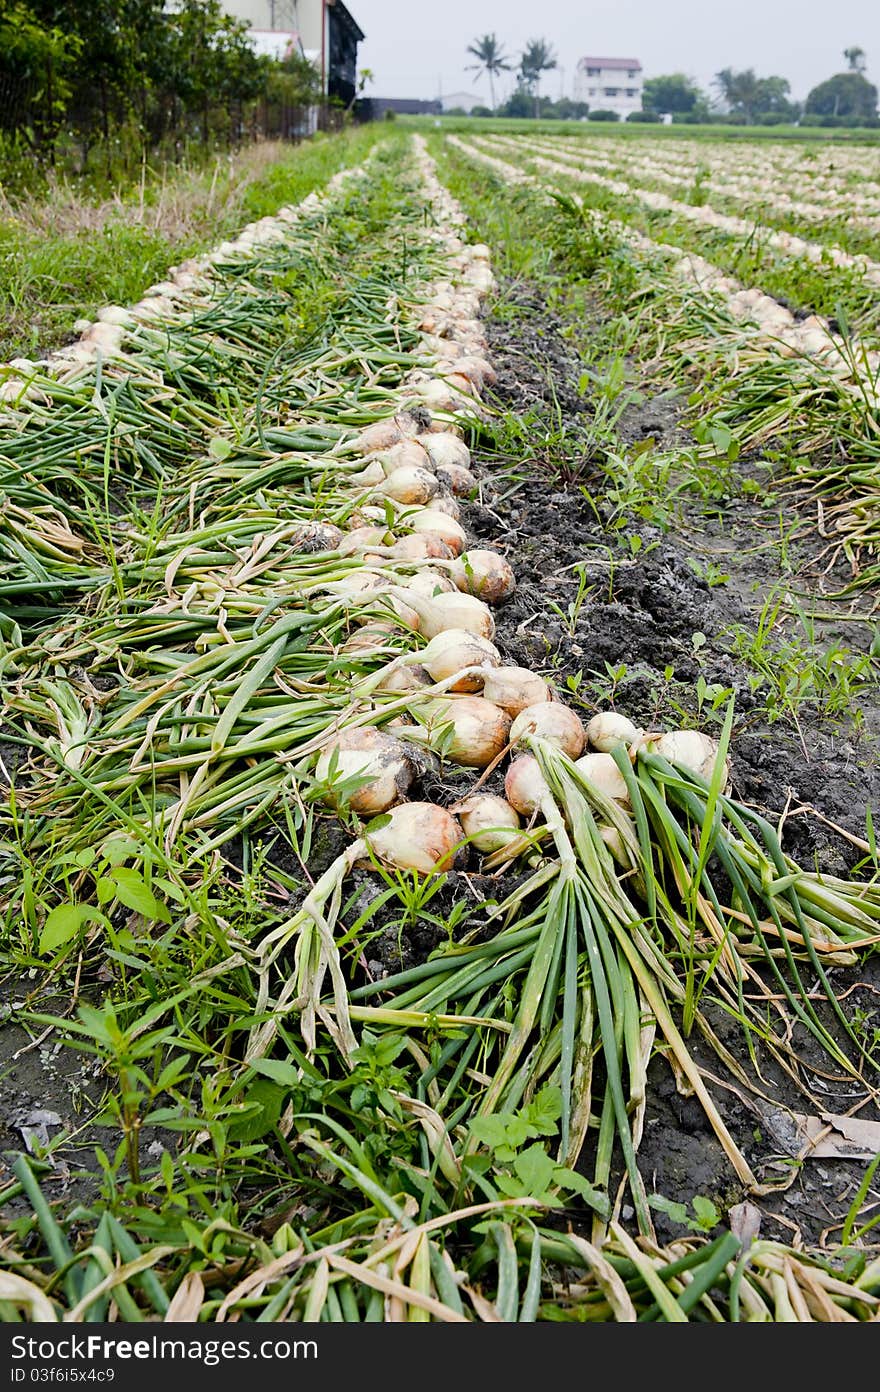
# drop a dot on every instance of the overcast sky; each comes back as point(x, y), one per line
point(417, 49)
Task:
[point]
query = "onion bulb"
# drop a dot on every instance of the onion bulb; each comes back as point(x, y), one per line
point(607, 729)
point(514, 688)
point(444, 448)
point(475, 730)
point(692, 749)
point(370, 637)
point(452, 651)
point(409, 484)
point(554, 722)
point(444, 502)
point(488, 821)
point(366, 753)
point(460, 482)
point(441, 524)
point(430, 582)
point(525, 786)
point(406, 454)
point(398, 679)
point(485, 574)
point(360, 539)
point(381, 435)
point(421, 546)
point(418, 836)
point(451, 610)
point(599, 769)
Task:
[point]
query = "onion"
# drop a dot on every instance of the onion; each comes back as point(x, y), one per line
point(365, 753)
point(315, 536)
point(485, 574)
point(616, 845)
point(409, 484)
point(370, 637)
point(525, 786)
point(369, 475)
point(419, 836)
point(514, 688)
point(452, 651)
point(430, 582)
point(419, 546)
point(489, 821)
point(477, 370)
point(406, 454)
point(444, 448)
point(479, 729)
point(452, 610)
point(442, 525)
point(692, 749)
point(607, 729)
point(600, 769)
point(553, 722)
point(378, 436)
point(359, 538)
point(400, 679)
point(444, 502)
point(460, 482)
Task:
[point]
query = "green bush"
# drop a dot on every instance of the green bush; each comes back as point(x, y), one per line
point(602, 116)
point(645, 117)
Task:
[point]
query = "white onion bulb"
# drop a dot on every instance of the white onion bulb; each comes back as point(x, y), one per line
point(488, 821)
point(455, 649)
point(430, 582)
point(553, 722)
point(409, 484)
point(514, 688)
point(406, 454)
point(485, 574)
point(479, 729)
point(419, 836)
point(525, 786)
point(368, 753)
point(460, 482)
point(452, 610)
point(692, 749)
point(441, 524)
point(607, 729)
point(444, 448)
point(600, 769)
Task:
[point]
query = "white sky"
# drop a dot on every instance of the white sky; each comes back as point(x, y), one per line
point(416, 48)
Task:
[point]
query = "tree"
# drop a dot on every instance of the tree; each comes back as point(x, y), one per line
point(845, 94)
point(750, 96)
point(672, 92)
point(490, 60)
point(537, 58)
point(855, 59)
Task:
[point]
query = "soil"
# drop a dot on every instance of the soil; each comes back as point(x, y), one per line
point(645, 605)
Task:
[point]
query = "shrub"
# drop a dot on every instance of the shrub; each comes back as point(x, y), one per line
point(645, 117)
point(602, 116)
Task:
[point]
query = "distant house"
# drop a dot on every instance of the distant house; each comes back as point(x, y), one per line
point(324, 31)
point(609, 84)
point(401, 106)
point(461, 101)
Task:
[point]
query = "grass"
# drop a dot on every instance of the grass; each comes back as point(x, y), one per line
point(66, 253)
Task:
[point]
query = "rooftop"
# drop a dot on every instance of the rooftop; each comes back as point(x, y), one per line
point(610, 63)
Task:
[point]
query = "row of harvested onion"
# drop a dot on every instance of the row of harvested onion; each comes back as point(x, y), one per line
point(455, 694)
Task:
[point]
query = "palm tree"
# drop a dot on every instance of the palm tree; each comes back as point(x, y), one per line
point(490, 60)
point(855, 58)
point(537, 58)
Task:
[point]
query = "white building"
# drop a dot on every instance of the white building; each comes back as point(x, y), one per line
point(461, 101)
point(322, 30)
point(609, 84)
